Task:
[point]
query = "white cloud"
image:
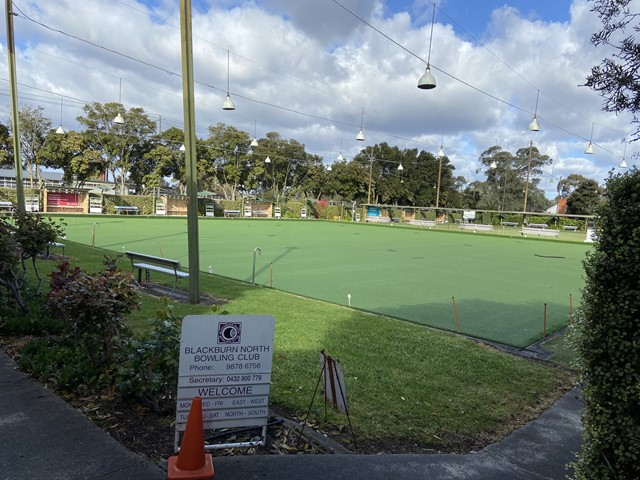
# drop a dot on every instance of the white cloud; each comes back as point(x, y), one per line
point(316, 59)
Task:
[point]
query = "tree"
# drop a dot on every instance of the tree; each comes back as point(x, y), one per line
point(164, 160)
point(119, 146)
point(616, 78)
point(6, 147)
point(70, 153)
point(348, 181)
point(607, 335)
point(507, 179)
point(34, 128)
point(224, 159)
point(584, 199)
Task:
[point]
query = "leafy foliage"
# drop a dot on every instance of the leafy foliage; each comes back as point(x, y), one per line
point(616, 78)
point(93, 308)
point(149, 373)
point(607, 338)
point(26, 238)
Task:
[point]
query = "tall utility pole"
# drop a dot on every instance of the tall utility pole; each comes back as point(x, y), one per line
point(15, 117)
point(190, 151)
point(526, 184)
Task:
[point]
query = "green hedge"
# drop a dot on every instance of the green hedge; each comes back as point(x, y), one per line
point(607, 338)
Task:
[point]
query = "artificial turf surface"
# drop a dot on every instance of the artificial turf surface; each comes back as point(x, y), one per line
point(500, 283)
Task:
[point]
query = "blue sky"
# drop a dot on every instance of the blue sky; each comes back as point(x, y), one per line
point(306, 69)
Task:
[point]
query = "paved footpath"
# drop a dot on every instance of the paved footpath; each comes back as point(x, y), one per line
point(43, 437)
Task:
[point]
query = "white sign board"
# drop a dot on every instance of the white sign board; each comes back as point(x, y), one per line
point(469, 214)
point(226, 361)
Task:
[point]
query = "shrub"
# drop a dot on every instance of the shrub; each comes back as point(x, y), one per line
point(93, 307)
point(607, 338)
point(149, 373)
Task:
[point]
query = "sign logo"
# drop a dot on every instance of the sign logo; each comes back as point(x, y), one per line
point(229, 332)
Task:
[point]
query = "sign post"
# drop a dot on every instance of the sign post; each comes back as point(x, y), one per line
point(226, 360)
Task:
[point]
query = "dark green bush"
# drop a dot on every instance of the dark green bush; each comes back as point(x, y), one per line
point(149, 372)
point(607, 338)
point(93, 308)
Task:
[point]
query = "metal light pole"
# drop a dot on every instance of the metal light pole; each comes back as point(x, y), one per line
point(15, 117)
point(190, 151)
point(371, 160)
point(440, 157)
point(526, 186)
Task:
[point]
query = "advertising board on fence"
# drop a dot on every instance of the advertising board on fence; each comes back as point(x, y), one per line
point(225, 360)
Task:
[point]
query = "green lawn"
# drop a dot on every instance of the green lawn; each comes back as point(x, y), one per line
point(406, 384)
point(500, 282)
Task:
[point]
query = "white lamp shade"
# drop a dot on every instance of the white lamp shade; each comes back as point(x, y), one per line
point(228, 103)
point(533, 126)
point(60, 130)
point(493, 165)
point(400, 167)
point(182, 148)
point(329, 168)
point(267, 160)
point(340, 158)
point(254, 142)
point(589, 149)
point(623, 164)
point(360, 136)
point(441, 152)
point(427, 80)
point(119, 120)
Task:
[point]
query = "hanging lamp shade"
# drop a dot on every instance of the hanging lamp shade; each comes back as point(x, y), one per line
point(427, 80)
point(119, 119)
point(360, 136)
point(267, 160)
point(400, 168)
point(493, 165)
point(534, 126)
point(340, 157)
point(623, 164)
point(329, 168)
point(441, 152)
point(254, 142)
point(228, 103)
point(589, 149)
point(182, 148)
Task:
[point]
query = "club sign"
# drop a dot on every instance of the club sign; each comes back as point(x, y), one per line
point(226, 361)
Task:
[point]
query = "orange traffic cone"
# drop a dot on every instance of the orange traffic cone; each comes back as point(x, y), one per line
point(191, 463)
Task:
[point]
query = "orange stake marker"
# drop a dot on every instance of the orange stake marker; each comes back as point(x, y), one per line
point(192, 463)
point(570, 309)
point(455, 310)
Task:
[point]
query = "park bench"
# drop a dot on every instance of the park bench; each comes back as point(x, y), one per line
point(55, 245)
point(231, 213)
point(378, 219)
point(150, 263)
point(128, 209)
point(539, 232)
point(509, 224)
point(537, 225)
point(570, 228)
point(422, 223)
point(476, 227)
